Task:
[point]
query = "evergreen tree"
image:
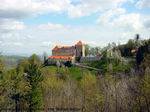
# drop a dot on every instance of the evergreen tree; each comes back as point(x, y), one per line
point(139, 56)
point(34, 77)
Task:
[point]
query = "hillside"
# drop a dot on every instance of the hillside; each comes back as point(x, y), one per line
point(11, 61)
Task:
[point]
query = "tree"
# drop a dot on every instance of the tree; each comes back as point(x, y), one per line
point(138, 42)
point(94, 51)
point(20, 89)
point(131, 43)
point(92, 96)
point(23, 65)
point(13, 88)
point(87, 50)
point(146, 62)
point(139, 56)
point(1, 66)
point(45, 60)
point(35, 60)
point(34, 77)
point(145, 89)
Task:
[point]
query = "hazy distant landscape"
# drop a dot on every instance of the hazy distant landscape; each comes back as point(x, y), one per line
point(11, 62)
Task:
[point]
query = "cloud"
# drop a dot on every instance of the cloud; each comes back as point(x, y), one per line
point(11, 44)
point(25, 8)
point(10, 24)
point(50, 26)
point(87, 7)
point(107, 16)
point(125, 25)
point(143, 4)
point(29, 37)
point(46, 44)
point(121, 20)
point(17, 44)
point(132, 22)
point(43, 40)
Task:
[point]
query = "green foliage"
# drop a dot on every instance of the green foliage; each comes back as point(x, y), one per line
point(53, 83)
point(144, 93)
point(117, 65)
point(1, 65)
point(93, 97)
point(87, 50)
point(76, 73)
point(23, 65)
point(34, 77)
point(95, 51)
point(73, 72)
point(13, 83)
point(121, 67)
point(146, 61)
point(101, 64)
point(34, 59)
point(49, 71)
point(146, 86)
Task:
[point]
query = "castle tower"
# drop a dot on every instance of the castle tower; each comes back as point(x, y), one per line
point(80, 49)
point(83, 50)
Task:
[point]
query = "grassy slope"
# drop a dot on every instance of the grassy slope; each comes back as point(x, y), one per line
point(74, 72)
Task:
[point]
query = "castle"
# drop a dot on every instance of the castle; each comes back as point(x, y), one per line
point(67, 53)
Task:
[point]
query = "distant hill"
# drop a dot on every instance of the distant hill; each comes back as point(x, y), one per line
point(11, 61)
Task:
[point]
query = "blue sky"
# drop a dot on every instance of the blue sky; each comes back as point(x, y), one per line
point(61, 19)
point(36, 26)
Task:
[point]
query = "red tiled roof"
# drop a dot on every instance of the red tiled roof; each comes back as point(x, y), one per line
point(61, 57)
point(63, 47)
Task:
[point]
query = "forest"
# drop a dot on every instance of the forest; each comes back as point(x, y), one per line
point(122, 86)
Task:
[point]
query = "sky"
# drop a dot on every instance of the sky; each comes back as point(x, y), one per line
point(36, 26)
